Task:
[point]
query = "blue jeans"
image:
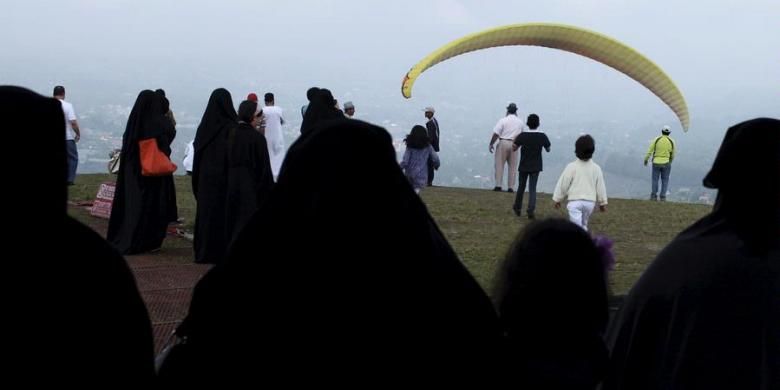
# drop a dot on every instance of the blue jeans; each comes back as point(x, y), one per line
point(662, 171)
point(73, 159)
point(524, 176)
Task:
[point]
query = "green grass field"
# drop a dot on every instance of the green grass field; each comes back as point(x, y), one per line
point(480, 224)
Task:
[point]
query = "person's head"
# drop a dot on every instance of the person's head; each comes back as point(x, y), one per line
point(269, 98)
point(247, 112)
point(311, 93)
point(43, 116)
point(417, 138)
point(553, 279)
point(666, 130)
point(59, 92)
point(584, 147)
point(252, 97)
point(511, 109)
point(429, 111)
point(321, 109)
point(166, 103)
point(349, 109)
point(220, 114)
point(533, 121)
point(749, 154)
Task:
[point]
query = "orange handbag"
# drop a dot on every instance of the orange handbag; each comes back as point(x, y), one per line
point(153, 161)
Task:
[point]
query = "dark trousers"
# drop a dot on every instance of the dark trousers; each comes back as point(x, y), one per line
point(73, 159)
point(430, 172)
point(524, 176)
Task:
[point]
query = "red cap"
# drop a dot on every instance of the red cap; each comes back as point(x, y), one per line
point(252, 97)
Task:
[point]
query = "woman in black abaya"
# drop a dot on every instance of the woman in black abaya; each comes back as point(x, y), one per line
point(209, 177)
point(141, 209)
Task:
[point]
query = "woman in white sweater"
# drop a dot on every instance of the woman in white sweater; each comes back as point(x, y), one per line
point(582, 182)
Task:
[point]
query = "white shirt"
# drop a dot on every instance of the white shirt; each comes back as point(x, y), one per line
point(70, 115)
point(189, 156)
point(274, 136)
point(509, 127)
point(581, 180)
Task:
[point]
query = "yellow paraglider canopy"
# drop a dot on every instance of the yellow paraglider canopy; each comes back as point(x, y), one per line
point(577, 40)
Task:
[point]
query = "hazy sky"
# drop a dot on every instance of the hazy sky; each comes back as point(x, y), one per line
point(723, 54)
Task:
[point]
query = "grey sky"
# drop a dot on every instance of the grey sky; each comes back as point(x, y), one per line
point(723, 54)
point(710, 48)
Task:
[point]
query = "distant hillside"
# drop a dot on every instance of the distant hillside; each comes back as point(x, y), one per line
point(480, 224)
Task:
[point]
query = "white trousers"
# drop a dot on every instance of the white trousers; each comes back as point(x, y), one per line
point(505, 156)
point(580, 211)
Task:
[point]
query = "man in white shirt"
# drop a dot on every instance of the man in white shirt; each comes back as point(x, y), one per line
point(505, 132)
point(72, 133)
point(273, 133)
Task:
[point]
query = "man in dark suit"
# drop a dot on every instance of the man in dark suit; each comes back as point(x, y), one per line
point(433, 133)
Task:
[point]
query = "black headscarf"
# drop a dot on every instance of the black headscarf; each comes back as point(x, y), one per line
point(146, 120)
point(40, 117)
point(321, 109)
point(97, 288)
point(322, 267)
point(220, 115)
point(706, 313)
point(747, 169)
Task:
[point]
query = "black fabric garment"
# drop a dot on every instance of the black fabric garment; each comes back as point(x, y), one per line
point(325, 277)
point(706, 312)
point(76, 314)
point(551, 296)
point(321, 109)
point(530, 178)
point(249, 176)
point(209, 177)
point(170, 187)
point(433, 132)
point(141, 208)
point(111, 326)
point(531, 144)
